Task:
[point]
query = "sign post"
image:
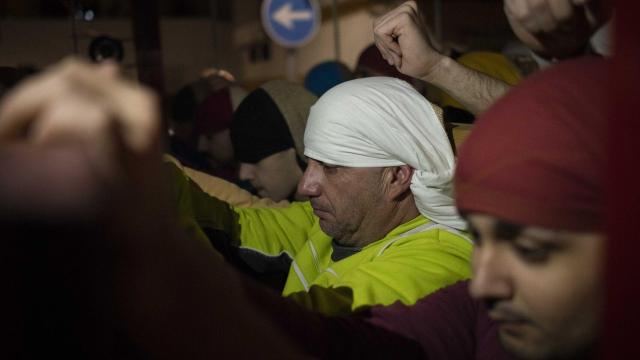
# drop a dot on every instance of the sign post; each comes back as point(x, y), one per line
point(291, 23)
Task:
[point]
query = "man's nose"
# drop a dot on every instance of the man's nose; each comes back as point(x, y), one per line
point(246, 172)
point(492, 277)
point(310, 183)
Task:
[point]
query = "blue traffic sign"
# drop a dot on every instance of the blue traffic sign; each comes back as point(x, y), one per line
point(291, 23)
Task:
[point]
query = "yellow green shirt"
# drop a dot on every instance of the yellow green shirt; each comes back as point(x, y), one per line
point(410, 262)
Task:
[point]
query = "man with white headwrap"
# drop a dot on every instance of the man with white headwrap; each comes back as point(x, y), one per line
point(379, 122)
point(380, 225)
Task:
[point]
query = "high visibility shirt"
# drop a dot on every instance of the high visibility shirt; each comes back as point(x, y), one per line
point(411, 261)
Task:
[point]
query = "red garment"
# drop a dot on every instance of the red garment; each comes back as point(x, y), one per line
point(537, 157)
point(215, 113)
point(622, 319)
point(448, 324)
point(370, 59)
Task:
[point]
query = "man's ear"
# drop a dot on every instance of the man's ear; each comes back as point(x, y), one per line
point(399, 181)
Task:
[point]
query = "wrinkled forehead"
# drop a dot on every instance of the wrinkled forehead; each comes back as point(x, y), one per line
point(346, 168)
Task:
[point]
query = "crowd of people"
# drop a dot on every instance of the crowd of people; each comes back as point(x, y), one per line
point(330, 219)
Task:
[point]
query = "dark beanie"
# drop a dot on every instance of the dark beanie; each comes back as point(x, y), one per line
point(259, 128)
point(183, 105)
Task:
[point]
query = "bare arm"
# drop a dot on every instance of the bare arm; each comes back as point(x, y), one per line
point(473, 89)
point(552, 28)
point(402, 39)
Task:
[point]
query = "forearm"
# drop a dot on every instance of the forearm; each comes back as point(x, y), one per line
point(474, 90)
point(194, 204)
point(223, 189)
point(229, 192)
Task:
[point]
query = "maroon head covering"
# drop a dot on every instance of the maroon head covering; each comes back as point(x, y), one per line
point(537, 157)
point(371, 61)
point(215, 113)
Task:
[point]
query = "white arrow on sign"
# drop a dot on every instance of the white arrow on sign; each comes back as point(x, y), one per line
point(285, 16)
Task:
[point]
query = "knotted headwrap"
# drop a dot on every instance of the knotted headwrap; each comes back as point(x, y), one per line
point(537, 157)
point(380, 122)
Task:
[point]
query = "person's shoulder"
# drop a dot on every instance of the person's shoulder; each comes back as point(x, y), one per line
point(435, 234)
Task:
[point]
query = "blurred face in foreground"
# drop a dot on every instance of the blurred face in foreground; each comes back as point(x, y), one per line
point(543, 287)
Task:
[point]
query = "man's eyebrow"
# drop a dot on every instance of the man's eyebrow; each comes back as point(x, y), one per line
point(326, 164)
point(541, 234)
point(507, 231)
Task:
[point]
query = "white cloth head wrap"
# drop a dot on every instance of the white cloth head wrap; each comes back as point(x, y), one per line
point(380, 122)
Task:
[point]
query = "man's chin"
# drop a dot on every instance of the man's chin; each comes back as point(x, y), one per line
point(328, 228)
point(522, 343)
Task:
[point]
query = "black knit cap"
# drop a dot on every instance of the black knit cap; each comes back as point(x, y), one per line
point(259, 128)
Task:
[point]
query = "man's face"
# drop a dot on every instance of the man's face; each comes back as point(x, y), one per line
point(218, 146)
point(275, 176)
point(343, 198)
point(543, 287)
